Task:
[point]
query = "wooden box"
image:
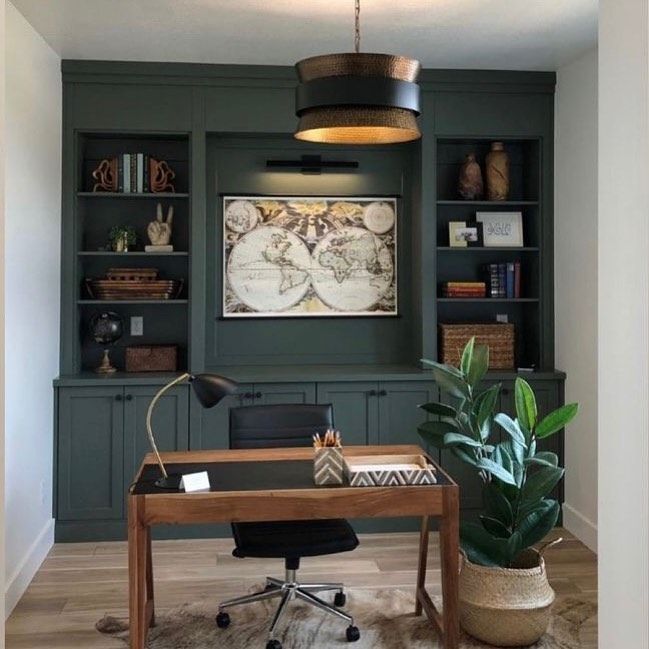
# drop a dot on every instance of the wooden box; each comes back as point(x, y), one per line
point(389, 470)
point(498, 337)
point(152, 358)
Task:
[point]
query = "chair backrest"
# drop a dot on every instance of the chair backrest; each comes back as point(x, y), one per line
point(275, 426)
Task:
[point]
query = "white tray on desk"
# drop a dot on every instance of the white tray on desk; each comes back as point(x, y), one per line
point(388, 470)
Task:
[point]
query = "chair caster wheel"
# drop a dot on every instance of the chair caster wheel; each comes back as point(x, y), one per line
point(353, 634)
point(340, 600)
point(223, 620)
point(273, 644)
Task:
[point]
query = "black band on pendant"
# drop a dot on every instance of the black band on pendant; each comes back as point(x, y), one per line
point(357, 91)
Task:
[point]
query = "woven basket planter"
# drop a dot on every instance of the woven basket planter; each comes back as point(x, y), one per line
point(506, 607)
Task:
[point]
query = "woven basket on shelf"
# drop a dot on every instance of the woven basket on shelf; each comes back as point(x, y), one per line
point(499, 338)
point(506, 607)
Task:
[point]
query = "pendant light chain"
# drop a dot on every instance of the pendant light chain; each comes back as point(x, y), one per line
point(357, 26)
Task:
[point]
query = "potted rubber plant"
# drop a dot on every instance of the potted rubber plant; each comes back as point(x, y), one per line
point(505, 597)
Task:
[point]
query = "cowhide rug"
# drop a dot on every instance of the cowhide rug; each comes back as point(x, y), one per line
point(385, 619)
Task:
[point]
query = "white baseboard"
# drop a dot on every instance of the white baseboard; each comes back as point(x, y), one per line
point(24, 572)
point(583, 528)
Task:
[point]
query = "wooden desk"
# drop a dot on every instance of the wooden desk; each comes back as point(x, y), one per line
point(147, 507)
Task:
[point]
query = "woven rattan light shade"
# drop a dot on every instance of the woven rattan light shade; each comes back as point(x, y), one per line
point(357, 98)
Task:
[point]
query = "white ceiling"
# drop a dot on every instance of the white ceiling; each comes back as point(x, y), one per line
point(483, 34)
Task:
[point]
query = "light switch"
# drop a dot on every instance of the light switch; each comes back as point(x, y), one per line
point(137, 325)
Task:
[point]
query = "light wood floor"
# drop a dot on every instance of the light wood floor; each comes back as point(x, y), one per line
point(80, 582)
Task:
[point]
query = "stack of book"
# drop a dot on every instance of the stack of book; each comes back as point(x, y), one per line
point(133, 173)
point(464, 289)
point(504, 279)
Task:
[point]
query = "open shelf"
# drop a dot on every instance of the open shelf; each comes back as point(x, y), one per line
point(490, 249)
point(487, 299)
point(132, 302)
point(123, 195)
point(135, 253)
point(487, 203)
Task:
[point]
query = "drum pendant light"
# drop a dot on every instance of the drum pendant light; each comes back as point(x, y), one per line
point(357, 98)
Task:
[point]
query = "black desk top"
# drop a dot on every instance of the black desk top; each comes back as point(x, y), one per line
point(269, 475)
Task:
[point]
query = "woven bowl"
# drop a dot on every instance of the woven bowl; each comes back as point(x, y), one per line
point(506, 607)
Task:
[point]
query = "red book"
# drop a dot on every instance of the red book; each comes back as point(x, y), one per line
point(517, 279)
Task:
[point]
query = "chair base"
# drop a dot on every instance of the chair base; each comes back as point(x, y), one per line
point(287, 590)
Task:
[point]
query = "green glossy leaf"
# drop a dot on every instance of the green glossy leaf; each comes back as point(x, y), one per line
point(480, 546)
point(461, 454)
point(540, 483)
point(440, 409)
point(467, 357)
point(511, 428)
point(513, 546)
point(495, 527)
point(485, 403)
point(525, 404)
point(543, 458)
point(479, 365)
point(497, 505)
point(496, 470)
point(556, 420)
point(457, 439)
point(536, 525)
point(450, 382)
point(433, 432)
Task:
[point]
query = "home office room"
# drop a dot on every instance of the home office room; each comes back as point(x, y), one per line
point(313, 324)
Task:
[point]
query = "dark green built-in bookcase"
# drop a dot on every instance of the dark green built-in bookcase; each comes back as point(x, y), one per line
point(467, 264)
point(165, 321)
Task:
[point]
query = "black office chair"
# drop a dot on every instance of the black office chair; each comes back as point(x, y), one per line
point(287, 426)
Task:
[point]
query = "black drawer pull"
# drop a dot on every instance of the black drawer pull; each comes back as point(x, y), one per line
point(118, 397)
point(383, 393)
point(372, 393)
point(129, 397)
point(257, 395)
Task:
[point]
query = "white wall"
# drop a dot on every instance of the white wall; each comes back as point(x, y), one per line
point(32, 287)
point(623, 324)
point(575, 250)
point(2, 317)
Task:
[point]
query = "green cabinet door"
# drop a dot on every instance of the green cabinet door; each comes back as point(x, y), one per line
point(210, 426)
point(280, 393)
point(399, 412)
point(170, 424)
point(355, 407)
point(90, 471)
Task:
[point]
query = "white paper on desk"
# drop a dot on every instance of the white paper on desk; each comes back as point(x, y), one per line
point(193, 482)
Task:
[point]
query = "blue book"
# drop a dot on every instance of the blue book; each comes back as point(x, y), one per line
point(510, 279)
point(502, 280)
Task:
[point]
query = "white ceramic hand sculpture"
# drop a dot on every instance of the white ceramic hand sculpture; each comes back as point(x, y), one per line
point(159, 231)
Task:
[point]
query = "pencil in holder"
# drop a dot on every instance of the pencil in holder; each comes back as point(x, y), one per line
point(328, 465)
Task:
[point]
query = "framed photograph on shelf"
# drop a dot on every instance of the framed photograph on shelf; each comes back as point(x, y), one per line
point(501, 229)
point(307, 257)
point(462, 234)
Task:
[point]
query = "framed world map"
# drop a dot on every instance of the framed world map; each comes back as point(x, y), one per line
point(309, 257)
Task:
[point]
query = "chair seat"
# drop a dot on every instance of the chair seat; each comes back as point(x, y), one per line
point(293, 539)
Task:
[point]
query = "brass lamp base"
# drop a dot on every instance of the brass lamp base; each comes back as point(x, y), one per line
point(106, 366)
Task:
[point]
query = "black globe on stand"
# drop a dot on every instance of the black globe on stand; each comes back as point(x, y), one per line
point(106, 328)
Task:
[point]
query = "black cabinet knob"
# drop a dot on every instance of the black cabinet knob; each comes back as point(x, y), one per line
point(129, 397)
point(372, 393)
point(383, 393)
point(257, 395)
point(118, 397)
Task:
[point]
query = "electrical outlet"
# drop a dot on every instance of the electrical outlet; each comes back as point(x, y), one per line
point(137, 325)
point(502, 318)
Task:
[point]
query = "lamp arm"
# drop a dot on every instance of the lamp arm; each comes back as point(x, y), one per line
point(149, 413)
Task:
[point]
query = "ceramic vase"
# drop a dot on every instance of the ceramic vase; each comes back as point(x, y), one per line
point(497, 168)
point(470, 185)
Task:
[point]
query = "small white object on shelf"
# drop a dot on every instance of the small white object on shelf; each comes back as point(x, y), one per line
point(193, 482)
point(158, 248)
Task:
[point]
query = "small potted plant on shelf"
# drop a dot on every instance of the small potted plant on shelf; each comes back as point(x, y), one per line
point(122, 237)
point(505, 597)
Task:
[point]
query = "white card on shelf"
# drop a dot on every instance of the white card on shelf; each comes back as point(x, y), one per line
point(192, 482)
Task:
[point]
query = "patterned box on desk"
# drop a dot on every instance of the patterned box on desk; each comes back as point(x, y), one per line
point(328, 465)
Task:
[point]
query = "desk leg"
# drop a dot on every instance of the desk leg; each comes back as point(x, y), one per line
point(449, 549)
point(149, 576)
point(423, 562)
point(140, 609)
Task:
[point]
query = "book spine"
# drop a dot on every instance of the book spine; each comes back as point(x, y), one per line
point(140, 173)
point(502, 280)
point(120, 174)
point(517, 279)
point(145, 181)
point(127, 173)
point(491, 272)
point(133, 173)
point(510, 280)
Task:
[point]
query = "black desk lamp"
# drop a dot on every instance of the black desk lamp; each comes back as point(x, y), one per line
point(209, 389)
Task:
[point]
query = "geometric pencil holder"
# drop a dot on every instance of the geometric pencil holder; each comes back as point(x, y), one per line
point(328, 465)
